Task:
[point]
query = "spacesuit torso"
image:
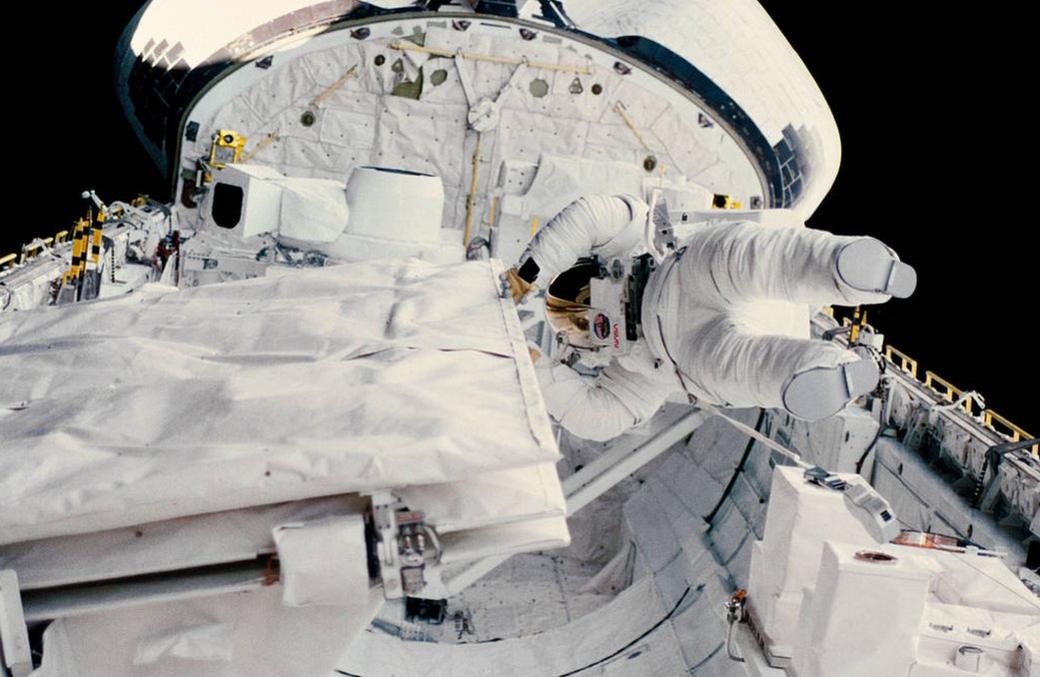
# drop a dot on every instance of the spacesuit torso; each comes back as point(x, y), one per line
point(725, 317)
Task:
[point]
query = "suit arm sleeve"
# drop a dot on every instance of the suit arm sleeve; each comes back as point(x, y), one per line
point(602, 408)
point(583, 226)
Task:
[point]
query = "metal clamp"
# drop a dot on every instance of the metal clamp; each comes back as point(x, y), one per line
point(15, 655)
point(736, 612)
point(405, 545)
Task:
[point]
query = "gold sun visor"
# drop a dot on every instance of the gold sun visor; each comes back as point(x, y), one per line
point(567, 305)
point(569, 321)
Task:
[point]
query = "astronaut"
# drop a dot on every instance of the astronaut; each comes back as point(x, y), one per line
point(723, 318)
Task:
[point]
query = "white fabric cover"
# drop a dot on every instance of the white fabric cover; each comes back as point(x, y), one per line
point(234, 635)
point(201, 643)
point(395, 204)
point(560, 180)
point(733, 309)
point(323, 562)
point(350, 247)
point(344, 379)
point(313, 210)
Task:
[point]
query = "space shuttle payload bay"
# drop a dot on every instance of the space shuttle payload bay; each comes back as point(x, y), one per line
point(286, 423)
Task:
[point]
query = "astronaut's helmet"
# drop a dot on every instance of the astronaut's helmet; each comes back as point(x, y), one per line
point(567, 304)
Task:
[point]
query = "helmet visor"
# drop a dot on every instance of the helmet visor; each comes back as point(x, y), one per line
point(569, 321)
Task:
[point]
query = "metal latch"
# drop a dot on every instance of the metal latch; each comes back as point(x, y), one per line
point(405, 546)
point(736, 612)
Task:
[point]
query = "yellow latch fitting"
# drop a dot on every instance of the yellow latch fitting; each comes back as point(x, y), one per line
point(226, 149)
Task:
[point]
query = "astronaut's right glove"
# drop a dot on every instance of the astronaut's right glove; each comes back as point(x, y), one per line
point(515, 286)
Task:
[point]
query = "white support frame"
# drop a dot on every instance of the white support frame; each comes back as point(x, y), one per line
point(48, 604)
point(15, 655)
point(613, 466)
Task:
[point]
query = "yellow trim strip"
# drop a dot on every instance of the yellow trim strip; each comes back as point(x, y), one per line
point(493, 211)
point(263, 143)
point(471, 198)
point(621, 110)
point(327, 92)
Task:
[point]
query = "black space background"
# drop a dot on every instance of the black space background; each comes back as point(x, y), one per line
point(935, 142)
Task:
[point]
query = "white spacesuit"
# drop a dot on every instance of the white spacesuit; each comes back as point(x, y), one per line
point(724, 320)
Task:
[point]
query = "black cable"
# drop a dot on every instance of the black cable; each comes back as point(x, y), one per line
point(617, 653)
point(870, 447)
point(740, 468)
point(634, 641)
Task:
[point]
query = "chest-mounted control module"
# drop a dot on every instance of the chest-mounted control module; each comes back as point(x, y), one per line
point(616, 297)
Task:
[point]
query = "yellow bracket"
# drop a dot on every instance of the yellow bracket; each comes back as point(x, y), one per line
point(905, 362)
point(472, 56)
point(727, 202)
point(226, 149)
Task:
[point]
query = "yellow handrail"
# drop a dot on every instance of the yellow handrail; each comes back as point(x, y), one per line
point(945, 388)
point(1010, 429)
point(906, 363)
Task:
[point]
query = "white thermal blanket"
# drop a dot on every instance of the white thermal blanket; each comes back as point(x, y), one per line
point(169, 403)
